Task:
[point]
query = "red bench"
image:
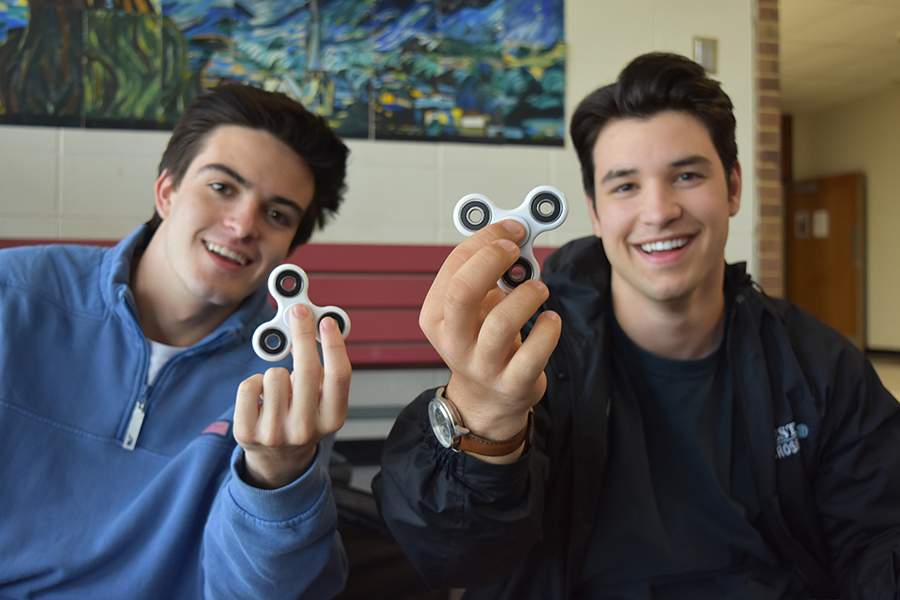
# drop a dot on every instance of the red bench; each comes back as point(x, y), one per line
point(380, 286)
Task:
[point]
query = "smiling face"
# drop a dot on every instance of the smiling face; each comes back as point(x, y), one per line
point(231, 219)
point(662, 208)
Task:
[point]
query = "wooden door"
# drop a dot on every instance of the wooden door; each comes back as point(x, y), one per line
point(826, 251)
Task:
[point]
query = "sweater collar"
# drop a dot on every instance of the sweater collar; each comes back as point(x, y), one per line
point(116, 279)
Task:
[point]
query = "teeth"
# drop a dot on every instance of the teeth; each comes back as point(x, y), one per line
point(223, 251)
point(664, 245)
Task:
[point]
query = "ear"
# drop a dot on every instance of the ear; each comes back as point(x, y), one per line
point(164, 190)
point(592, 212)
point(734, 189)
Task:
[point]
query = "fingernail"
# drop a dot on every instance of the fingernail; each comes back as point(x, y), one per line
point(513, 226)
point(327, 323)
point(300, 310)
point(507, 245)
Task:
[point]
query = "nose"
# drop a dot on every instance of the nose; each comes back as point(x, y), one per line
point(660, 206)
point(241, 218)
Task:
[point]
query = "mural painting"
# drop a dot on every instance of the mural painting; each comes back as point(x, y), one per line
point(458, 70)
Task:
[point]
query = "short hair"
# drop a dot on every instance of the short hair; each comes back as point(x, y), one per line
point(287, 120)
point(650, 84)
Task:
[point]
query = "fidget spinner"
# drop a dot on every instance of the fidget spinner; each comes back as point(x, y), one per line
point(544, 208)
point(288, 284)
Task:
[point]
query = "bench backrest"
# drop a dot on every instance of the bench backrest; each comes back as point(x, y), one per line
point(381, 287)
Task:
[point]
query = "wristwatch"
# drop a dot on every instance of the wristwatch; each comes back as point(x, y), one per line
point(451, 433)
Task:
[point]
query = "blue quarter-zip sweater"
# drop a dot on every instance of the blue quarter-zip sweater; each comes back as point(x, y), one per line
point(110, 488)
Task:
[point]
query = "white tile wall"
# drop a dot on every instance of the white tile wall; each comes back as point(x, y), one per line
point(391, 194)
point(740, 247)
point(29, 172)
point(12, 226)
point(405, 192)
point(99, 183)
point(393, 389)
point(108, 176)
point(565, 175)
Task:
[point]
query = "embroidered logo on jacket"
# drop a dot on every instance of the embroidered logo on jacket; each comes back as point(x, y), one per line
point(217, 428)
point(787, 439)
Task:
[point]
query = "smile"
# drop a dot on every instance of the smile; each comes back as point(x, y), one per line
point(664, 245)
point(225, 252)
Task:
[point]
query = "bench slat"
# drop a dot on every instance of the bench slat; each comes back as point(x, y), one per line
point(381, 286)
point(384, 326)
point(369, 258)
point(369, 291)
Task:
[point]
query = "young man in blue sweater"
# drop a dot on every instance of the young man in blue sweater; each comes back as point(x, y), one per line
point(120, 369)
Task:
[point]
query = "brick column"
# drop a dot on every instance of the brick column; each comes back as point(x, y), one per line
point(770, 226)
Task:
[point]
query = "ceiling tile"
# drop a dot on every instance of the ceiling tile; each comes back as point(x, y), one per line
point(851, 24)
point(798, 15)
point(836, 51)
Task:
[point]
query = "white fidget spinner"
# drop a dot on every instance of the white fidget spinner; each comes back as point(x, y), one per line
point(544, 208)
point(288, 284)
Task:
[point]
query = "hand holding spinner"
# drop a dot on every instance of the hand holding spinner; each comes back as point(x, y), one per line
point(288, 284)
point(544, 208)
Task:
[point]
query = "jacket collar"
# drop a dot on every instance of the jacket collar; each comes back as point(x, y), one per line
point(578, 275)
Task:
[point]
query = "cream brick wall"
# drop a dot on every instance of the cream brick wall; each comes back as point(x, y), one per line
point(75, 183)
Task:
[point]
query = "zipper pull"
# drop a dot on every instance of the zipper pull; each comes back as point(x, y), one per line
point(134, 426)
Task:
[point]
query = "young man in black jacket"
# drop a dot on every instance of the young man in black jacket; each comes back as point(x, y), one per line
point(664, 430)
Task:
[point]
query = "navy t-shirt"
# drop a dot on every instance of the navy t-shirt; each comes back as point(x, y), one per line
point(677, 498)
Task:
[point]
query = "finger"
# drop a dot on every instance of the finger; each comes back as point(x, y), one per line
point(473, 282)
point(304, 348)
point(507, 229)
point(499, 336)
point(246, 408)
point(529, 361)
point(276, 395)
point(307, 376)
point(504, 230)
point(336, 380)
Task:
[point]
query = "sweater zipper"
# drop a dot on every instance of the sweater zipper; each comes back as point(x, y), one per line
point(136, 422)
point(134, 425)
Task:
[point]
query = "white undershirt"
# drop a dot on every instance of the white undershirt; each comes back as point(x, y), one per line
point(159, 354)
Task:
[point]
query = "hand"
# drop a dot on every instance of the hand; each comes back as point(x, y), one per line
point(279, 418)
point(475, 327)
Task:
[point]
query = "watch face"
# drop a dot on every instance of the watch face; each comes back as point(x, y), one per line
point(440, 423)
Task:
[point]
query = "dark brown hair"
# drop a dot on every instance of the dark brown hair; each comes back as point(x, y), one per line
point(650, 84)
point(285, 119)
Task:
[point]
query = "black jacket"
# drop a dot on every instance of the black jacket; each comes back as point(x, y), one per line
point(831, 502)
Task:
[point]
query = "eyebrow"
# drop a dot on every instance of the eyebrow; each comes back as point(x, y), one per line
point(681, 162)
point(691, 160)
point(616, 174)
point(237, 177)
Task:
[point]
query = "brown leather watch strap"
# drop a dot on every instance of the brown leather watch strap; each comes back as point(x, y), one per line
point(485, 447)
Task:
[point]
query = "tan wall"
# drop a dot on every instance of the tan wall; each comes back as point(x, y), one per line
point(75, 183)
point(865, 137)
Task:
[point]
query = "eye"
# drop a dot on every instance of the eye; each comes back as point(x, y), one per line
point(624, 188)
point(219, 187)
point(278, 216)
point(689, 176)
